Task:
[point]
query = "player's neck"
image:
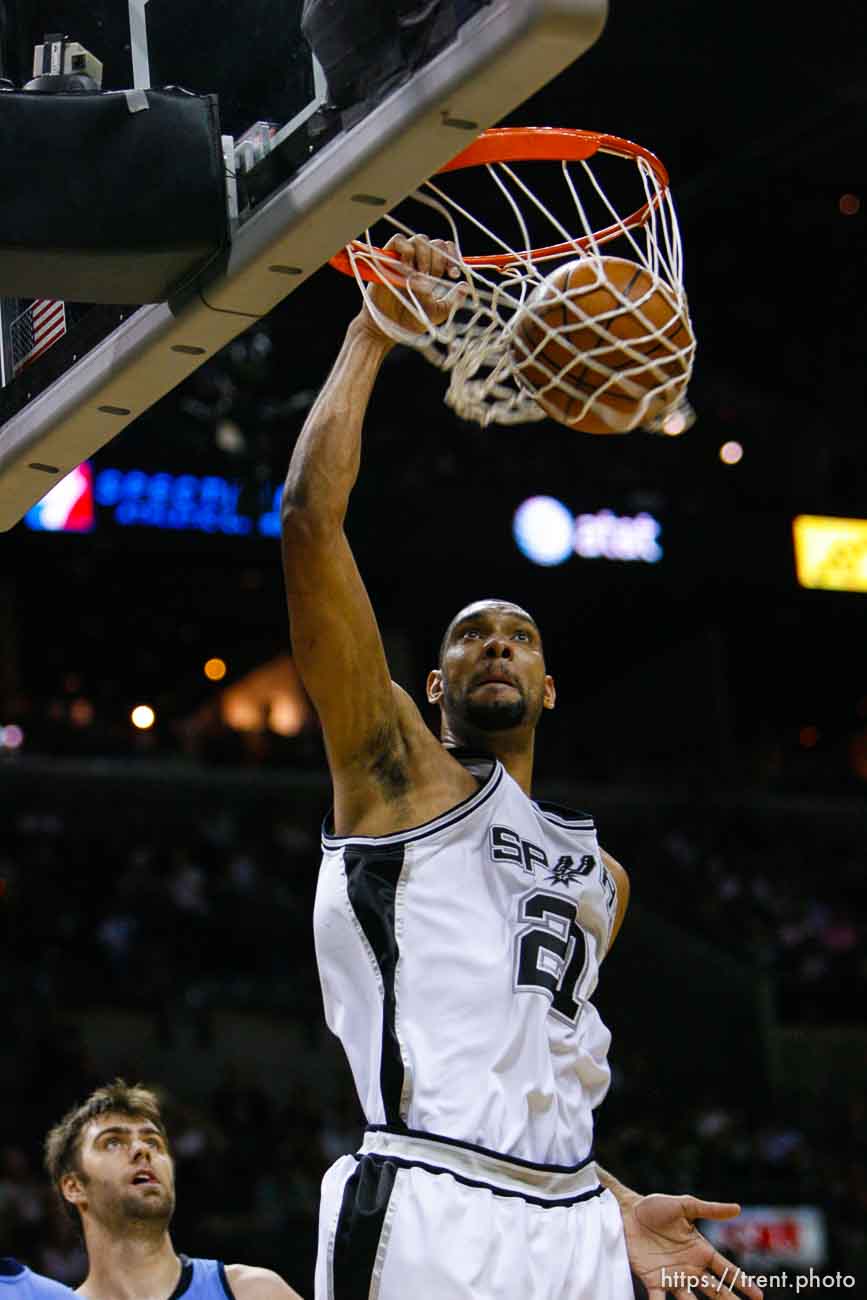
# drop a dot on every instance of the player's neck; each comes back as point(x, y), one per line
point(133, 1266)
point(513, 749)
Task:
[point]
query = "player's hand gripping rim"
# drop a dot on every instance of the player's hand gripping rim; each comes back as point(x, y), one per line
point(419, 286)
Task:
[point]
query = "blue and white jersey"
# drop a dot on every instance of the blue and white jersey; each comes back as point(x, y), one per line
point(457, 963)
point(21, 1282)
point(202, 1279)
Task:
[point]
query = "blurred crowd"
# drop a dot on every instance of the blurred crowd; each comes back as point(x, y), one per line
point(85, 719)
point(90, 899)
point(786, 894)
point(177, 912)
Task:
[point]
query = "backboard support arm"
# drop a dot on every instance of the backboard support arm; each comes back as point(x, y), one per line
point(138, 31)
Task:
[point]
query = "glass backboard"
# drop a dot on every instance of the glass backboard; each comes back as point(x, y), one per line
point(326, 122)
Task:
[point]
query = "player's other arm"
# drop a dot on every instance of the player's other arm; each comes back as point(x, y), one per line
point(621, 883)
point(250, 1283)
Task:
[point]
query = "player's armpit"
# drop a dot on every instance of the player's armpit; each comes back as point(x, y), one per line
point(621, 881)
point(250, 1283)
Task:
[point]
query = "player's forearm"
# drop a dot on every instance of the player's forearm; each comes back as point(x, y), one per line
point(326, 458)
point(625, 1196)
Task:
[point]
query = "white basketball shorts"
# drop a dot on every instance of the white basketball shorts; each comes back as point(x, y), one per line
point(413, 1217)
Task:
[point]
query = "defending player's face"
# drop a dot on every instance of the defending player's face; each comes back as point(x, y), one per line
point(492, 675)
point(127, 1172)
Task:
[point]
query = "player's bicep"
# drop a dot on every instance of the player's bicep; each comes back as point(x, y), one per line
point(336, 643)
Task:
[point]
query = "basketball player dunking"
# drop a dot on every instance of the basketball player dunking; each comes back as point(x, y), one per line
point(110, 1162)
point(459, 929)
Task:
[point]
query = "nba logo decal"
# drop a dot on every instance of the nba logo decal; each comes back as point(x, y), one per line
point(68, 507)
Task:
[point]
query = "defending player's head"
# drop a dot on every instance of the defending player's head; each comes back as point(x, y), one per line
point(110, 1163)
point(491, 676)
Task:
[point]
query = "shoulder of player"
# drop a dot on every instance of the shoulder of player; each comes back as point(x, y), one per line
point(621, 884)
point(618, 871)
point(248, 1282)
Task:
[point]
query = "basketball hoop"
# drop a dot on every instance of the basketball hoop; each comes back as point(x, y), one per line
point(553, 205)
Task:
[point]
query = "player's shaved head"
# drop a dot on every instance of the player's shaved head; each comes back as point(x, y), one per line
point(478, 609)
point(491, 675)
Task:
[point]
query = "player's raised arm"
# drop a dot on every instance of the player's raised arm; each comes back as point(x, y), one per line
point(335, 638)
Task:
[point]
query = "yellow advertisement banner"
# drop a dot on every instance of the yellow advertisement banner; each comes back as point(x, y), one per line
point(831, 553)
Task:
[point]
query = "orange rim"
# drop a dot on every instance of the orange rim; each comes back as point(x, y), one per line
point(507, 144)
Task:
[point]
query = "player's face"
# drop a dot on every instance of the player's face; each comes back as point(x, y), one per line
point(127, 1172)
point(492, 676)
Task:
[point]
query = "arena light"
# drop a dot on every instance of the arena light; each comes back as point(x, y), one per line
point(143, 717)
point(11, 736)
point(543, 529)
point(675, 423)
point(215, 670)
point(286, 715)
point(830, 553)
point(731, 453)
point(81, 712)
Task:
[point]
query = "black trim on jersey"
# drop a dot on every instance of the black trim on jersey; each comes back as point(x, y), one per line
point(566, 814)
point(10, 1267)
point(402, 1131)
point(447, 818)
point(359, 1228)
point(372, 873)
point(471, 758)
point(221, 1270)
point(474, 1182)
point(186, 1278)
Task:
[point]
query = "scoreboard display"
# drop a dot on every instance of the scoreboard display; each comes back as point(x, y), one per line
point(187, 503)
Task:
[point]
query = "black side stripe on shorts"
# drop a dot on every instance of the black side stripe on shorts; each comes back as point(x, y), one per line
point(372, 873)
point(400, 1163)
point(359, 1228)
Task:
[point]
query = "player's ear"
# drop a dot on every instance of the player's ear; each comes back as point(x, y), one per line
point(549, 693)
point(434, 686)
point(72, 1189)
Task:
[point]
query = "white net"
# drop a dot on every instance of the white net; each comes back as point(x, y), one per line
point(524, 342)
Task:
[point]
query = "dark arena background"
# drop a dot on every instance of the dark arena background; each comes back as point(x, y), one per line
point(162, 778)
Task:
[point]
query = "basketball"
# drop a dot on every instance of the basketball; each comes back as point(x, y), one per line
point(565, 345)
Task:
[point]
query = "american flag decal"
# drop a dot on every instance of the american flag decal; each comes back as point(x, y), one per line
point(34, 331)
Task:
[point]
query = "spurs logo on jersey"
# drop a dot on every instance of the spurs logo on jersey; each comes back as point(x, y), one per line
point(457, 962)
point(507, 846)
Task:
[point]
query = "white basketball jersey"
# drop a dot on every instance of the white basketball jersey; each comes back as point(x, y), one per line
point(457, 961)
